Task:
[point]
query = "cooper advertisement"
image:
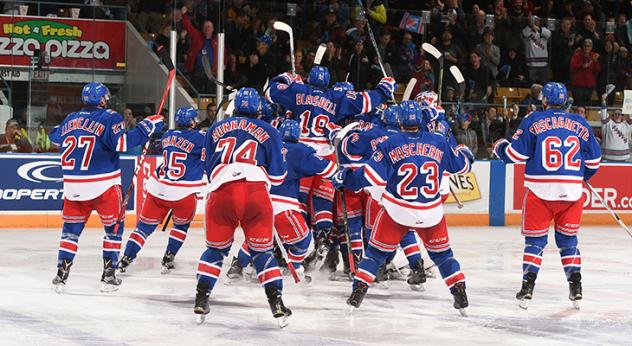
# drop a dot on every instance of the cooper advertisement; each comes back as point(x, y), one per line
point(34, 182)
point(63, 43)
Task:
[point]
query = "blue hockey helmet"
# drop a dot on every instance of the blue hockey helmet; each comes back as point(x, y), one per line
point(555, 93)
point(290, 130)
point(93, 93)
point(247, 102)
point(391, 116)
point(267, 112)
point(318, 77)
point(344, 86)
point(186, 116)
point(410, 114)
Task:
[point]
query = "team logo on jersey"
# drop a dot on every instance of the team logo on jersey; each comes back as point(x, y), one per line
point(40, 171)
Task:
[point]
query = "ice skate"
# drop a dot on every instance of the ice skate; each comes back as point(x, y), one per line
point(310, 262)
point(331, 263)
point(395, 273)
point(417, 276)
point(526, 292)
point(168, 263)
point(357, 295)
point(381, 278)
point(201, 308)
point(279, 311)
point(575, 289)
point(460, 298)
point(59, 281)
point(305, 279)
point(235, 272)
point(124, 265)
point(109, 281)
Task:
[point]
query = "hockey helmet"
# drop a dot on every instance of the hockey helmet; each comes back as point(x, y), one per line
point(93, 93)
point(318, 77)
point(555, 93)
point(186, 117)
point(344, 86)
point(427, 99)
point(411, 115)
point(391, 116)
point(290, 130)
point(247, 102)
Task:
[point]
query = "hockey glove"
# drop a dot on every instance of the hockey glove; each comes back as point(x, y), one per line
point(333, 134)
point(338, 179)
point(151, 124)
point(387, 86)
point(463, 149)
point(499, 147)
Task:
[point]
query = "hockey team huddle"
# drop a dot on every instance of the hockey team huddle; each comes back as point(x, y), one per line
point(324, 173)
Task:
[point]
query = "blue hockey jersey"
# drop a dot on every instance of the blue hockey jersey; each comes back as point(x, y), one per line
point(302, 162)
point(318, 111)
point(243, 148)
point(410, 166)
point(90, 141)
point(360, 144)
point(443, 128)
point(560, 151)
point(181, 172)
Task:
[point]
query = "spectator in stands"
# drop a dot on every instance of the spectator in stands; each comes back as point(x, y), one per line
point(424, 75)
point(333, 61)
point(330, 29)
point(233, 74)
point(239, 37)
point(357, 32)
point(621, 30)
point(589, 31)
point(581, 110)
point(130, 123)
point(464, 134)
point(534, 97)
point(211, 112)
point(562, 44)
point(584, 70)
point(201, 42)
point(42, 141)
point(478, 79)
point(452, 52)
point(151, 15)
point(13, 139)
point(384, 47)
point(623, 66)
point(298, 64)
point(261, 64)
point(491, 128)
point(514, 119)
point(476, 30)
point(376, 9)
point(489, 52)
point(403, 60)
point(536, 39)
point(513, 69)
point(616, 131)
point(607, 60)
point(359, 66)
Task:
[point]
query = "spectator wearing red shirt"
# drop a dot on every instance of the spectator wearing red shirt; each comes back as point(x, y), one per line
point(585, 68)
point(200, 40)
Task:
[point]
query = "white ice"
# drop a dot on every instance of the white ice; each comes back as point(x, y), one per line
point(155, 309)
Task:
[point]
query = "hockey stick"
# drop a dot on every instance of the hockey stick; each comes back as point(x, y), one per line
point(209, 73)
point(409, 89)
point(290, 266)
point(164, 56)
point(612, 212)
point(432, 50)
point(458, 76)
point(288, 29)
point(320, 52)
point(345, 218)
point(164, 225)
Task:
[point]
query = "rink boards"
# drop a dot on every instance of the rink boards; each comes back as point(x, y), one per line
point(31, 192)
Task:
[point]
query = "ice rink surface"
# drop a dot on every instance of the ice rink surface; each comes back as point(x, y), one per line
point(155, 309)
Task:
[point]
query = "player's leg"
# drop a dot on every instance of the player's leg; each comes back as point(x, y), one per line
point(385, 237)
point(417, 275)
point(238, 263)
point(151, 214)
point(355, 220)
point(437, 242)
point(220, 224)
point(183, 213)
point(536, 218)
point(257, 222)
point(75, 215)
point(296, 238)
point(567, 221)
point(108, 205)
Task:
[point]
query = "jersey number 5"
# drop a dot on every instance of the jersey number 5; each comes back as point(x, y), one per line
point(70, 144)
point(409, 171)
point(246, 153)
point(553, 158)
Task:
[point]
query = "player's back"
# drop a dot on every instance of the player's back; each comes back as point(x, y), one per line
point(88, 143)
point(243, 148)
point(360, 144)
point(557, 147)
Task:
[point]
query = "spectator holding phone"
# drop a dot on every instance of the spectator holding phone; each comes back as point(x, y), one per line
point(13, 141)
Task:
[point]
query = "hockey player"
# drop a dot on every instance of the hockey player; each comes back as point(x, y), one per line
point(289, 223)
point(560, 152)
point(90, 142)
point(173, 185)
point(409, 165)
point(243, 159)
point(357, 148)
point(318, 109)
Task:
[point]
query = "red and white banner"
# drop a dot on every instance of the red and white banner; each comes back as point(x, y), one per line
point(611, 182)
point(68, 43)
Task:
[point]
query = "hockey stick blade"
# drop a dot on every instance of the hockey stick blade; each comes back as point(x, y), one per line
point(320, 52)
point(612, 212)
point(609, 89)
point(163, 54)
point(432, 50)
point(409, 89)
point(457, 74)
point(281, 26)
point(343, 132)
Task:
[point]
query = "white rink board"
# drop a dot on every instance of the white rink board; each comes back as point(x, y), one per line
point(153, 309)
point(478, 206)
